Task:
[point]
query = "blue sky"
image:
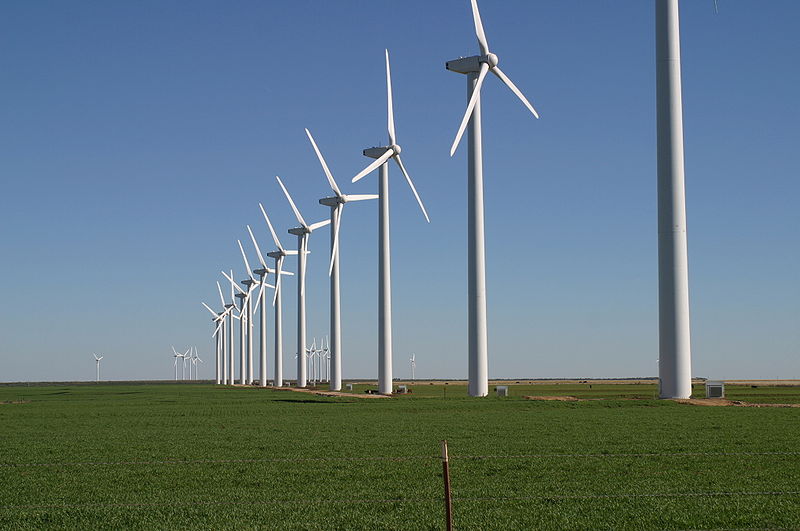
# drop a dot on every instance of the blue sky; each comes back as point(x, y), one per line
point(138, 138)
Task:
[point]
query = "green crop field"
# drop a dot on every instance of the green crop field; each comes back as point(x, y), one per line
point(168, 456)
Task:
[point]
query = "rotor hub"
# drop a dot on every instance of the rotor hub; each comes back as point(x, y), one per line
point(492, 60)
point(396, 149)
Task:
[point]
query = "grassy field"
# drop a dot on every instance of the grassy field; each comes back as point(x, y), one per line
point(198, 456)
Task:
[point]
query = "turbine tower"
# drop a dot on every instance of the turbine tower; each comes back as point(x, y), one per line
point(303, 233)
point(336, 204)
point(674, 347)
point(279, 255)
point(382, 156)
point(476, 67)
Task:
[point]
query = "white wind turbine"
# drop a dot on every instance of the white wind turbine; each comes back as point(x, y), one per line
point(336, 204)
point(97, 362)
point(303, 233)
point(229, 334)
point(250, 284)
point(185, 357)
point(279, 255)
point(413, 361)
point(195, 360)
point(219, 334)
point(177, 356)
point(476, 67)
point(243, 297)
point(262, 301)
point(382, 156)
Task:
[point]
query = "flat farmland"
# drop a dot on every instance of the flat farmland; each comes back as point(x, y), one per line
point(178, 456)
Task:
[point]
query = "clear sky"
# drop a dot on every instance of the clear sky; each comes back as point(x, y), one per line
point(137, 138)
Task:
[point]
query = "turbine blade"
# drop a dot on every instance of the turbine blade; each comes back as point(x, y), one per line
point(258, 250)
point(318, 224)
point(216, 331)
point(278, 267)
point(258, 297)
point(361, 197)
point(476, 17)
point(324, 165)
point(335, 247)
point(303, 259)
point(271, 230)
point(377, 162)
point(291, 203)
point(390, 120)
point(233, 282)
point(476, 93)
point(209, 309)
point(221, 298)
point(504, 78)
point(246, 263)
point(413, 189)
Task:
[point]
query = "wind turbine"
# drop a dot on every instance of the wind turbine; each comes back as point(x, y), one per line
point(309, 359)
point(97, 362)
point(243, 301)
point(336, 204)
point(231, 316)
point(279, 255)
point(195, 360)
point(675, 355)
point(262, 272)
point(220, 333)
point(382, 156)
point(413, 361)
point(476, 67)
point(185, 356)
point(303, 233)
point(176, 356)
point(251, 284)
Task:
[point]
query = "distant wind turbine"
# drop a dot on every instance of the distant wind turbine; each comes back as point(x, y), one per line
point(97, 361)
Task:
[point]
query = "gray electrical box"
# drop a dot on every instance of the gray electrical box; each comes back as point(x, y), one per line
point(349, 387)
point(715, 389)
point(402, 389)
point(502, 390)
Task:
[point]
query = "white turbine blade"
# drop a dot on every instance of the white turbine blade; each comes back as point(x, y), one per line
point(504, 78)
point(324, 165)
point(303, 260)
point(233, 299)
point(390, 107)
point(377, 162)
point(221, 298)
point(216, 331)
point(246, 263)
point(335, 247)
point(291, 203)
point(279, 266)
point(288, 272)
point(233, 282)
point(360, 197)
point(476, 93)
point(413, 189)
point(716, 7)
point(210, 310)
point(258, 250)
point(318, 224)
point(271, 230)
point(260, 294)
point(476, 17)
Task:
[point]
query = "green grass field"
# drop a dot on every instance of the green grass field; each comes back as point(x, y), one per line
point(198, 456)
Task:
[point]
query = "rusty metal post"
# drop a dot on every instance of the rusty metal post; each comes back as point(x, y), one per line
point(448, 503)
